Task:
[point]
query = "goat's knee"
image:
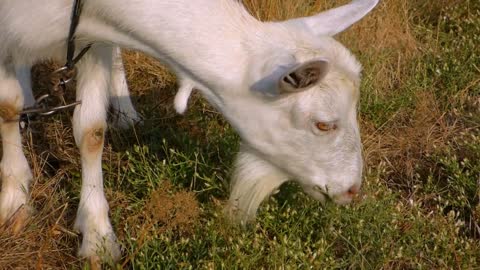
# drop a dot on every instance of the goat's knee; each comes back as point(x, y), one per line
point(92, 140)
point(11, 101)
point(8, 111)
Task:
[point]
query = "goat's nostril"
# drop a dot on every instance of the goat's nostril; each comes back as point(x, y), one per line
point(353, 190)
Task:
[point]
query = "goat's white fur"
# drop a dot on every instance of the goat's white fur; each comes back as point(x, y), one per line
point(181, 98)
point(234, 60)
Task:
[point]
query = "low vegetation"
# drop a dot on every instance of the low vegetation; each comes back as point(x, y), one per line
point(167, 180)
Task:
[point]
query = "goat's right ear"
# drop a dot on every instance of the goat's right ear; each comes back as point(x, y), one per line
point(303, 76)
point(336, 20)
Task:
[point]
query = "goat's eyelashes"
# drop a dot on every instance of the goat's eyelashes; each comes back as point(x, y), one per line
point(325, 126)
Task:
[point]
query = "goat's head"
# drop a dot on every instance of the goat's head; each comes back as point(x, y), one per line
point(300, 113)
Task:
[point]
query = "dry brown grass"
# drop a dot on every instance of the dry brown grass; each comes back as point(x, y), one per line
point(408, 139)
point(166, 210)
point(49, 243)
point(145, 74)
point(386, 38)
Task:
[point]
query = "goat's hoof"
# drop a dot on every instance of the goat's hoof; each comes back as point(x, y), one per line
point(126, 120)
point(102, 249)
point(94, 263)
point(17, 222)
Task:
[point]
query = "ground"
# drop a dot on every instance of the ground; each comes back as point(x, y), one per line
point(166, 181)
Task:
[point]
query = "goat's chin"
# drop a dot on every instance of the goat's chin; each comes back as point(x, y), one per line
point(342, 200)
point(316, 195)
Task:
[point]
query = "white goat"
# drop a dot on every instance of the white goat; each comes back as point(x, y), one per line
point(288, 88)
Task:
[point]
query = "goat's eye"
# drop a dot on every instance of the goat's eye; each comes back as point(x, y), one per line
point(324, 126)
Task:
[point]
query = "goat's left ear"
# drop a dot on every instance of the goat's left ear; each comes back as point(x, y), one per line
point(336, 20)
point(303, 76)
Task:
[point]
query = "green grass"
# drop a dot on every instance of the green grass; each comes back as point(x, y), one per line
point(293, 231)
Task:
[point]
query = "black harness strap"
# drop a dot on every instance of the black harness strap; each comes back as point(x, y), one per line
point(75, 20)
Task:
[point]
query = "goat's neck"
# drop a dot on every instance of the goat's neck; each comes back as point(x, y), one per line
point(205, 40)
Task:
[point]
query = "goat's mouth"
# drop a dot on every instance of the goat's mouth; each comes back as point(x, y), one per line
point(322, 195)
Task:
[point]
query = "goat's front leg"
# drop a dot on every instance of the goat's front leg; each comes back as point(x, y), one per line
point(124, 114)
point(15, 171)
point(89, 124)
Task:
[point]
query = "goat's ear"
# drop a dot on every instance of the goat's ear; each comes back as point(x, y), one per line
point(336, 20)
point(303, 76)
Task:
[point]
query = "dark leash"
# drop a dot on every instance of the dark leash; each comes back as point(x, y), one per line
point(60, 77)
